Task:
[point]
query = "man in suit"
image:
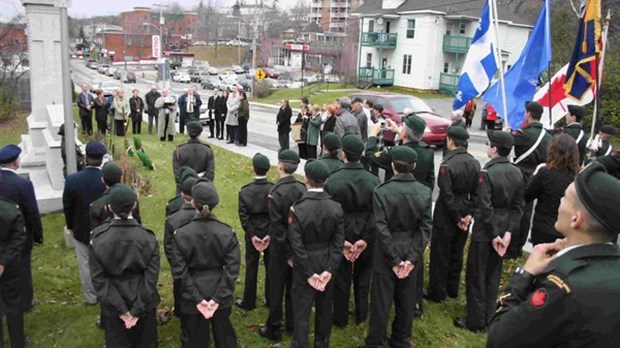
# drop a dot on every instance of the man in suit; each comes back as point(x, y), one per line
point(85, 103)
point(81, 189)
point(211, 107)
point(153, 112)
point(19, 190)
point(189, 108)
point(575, 129)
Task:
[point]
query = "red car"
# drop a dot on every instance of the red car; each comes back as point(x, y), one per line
point(437, 126)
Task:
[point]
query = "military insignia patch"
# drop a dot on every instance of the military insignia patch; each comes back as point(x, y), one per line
point(290, 220)
point(442, 170)
point(481, 180)
point(539, 298)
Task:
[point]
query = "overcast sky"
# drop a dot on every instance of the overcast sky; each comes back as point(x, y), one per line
point(89, 8)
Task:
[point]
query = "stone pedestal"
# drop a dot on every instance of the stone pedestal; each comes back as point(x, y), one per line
point(41, 157)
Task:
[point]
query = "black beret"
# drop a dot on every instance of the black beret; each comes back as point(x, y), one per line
point(121, 197)
point(204, 193)
point(316, 171)
point(187, 184)
point(332, 141)
point(260, 161)
point(609, 129)
point(458, 132)
point(416, 123)
point(500, 138)
point(576, 110)
point(534, 107)
point(95, 149)
point(9, 153)
point(599, 192)
point(352, 143)
point(194, 127)
point(112, 171)
point(288, 156)
point(404, 154)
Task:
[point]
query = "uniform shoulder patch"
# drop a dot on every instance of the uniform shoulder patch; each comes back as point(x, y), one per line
point(290, 219)
point(443, 169)
point(539, 298)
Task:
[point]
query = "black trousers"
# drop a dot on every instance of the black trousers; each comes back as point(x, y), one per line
point(153, 119)
point(310, 151)
point(102, 126)
point(446, 260)
point(304, 297)
point(387, 289)
point(219, 126)
point(196, 330)
point(211, 127)
point(243, 131)
point(15, 324)
point(25, 281)
point(143, 335)
point(490, 124)
point(136, 125)
point(359, 272)
point(303, 152)
point(119, 126)
point(87, 123)
point(283, 139)
point(280, 282)
point(182, 120)
point(518, 239)
point(252, 258)
point(484, 271)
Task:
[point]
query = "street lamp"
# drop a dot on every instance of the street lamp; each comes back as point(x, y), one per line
point(160, 59)
point(254, 39)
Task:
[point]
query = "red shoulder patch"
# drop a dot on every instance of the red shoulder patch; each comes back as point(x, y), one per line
point(481, 180)
point(442, 170)
point(290, 219)
point(614, 153)
point(539, 298)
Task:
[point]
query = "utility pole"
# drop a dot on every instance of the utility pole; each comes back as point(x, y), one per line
point(257, 17)
point(162, 62)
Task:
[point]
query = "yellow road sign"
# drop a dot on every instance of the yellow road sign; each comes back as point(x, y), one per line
point(260, 74)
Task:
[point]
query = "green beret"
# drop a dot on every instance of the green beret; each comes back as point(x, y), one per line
point(352, 143)
point(186, 186)
point(458, 133)
point(609, 129)
point(500, 138)
point(331, 141)
point(288, 156)
point(416, 123)
point(204, 193)
point(194, 127)
point(122, 198)
point(112, 172)
point(404, 154)
point(9, 153)
point(597, 191)
point(187, 172)
point(260, 161)
point(316, 171)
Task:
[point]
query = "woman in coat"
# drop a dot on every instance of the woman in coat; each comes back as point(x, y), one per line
point(232, 117)
point(244, 117)
point(314, 128)
point(101, 112)
point(302, 117)
point(121, 112)
point(283, 120)
point(167, 113)
point(136, 104)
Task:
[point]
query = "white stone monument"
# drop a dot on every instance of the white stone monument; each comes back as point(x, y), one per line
point(41, 157)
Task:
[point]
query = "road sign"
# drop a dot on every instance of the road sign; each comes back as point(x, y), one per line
point(260, 74)
point(156, 46)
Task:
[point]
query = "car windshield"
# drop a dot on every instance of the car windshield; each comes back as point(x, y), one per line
point(110, 84)
point(417, 105)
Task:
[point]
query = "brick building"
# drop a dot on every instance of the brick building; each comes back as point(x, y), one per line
point(13, 46)
point(119, 45)
point(177, 27)
point(333, 15)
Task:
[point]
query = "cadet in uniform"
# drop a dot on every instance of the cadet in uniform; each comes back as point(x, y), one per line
point(402, 213)
point(254, 216)
point(111, 174)
point(499, 211)
point(12, 240)
point(566, 294)
point(316, 236)
point(531, 145)
point(282, 196)
point(352, 186)
point(124, 264)
point(575, 129)
point(206, 261)
point(194, 154)
point(331, 147)
point(601, 146)
point(176, 203)
point(454, 209)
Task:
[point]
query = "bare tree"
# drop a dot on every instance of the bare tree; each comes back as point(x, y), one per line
point(14, 62)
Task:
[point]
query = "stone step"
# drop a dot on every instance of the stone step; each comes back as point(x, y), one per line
point(48, 199)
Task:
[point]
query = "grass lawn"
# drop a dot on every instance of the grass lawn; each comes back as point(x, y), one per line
point(61, 320)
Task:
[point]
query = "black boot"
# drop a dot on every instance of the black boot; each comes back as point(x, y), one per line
point(170, 137)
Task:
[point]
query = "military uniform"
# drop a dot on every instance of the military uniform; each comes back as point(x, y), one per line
point(12, 240)
point(352, 186)
point(99, 212)
point(458, 184)
point(525, 139)
point(173, 205)
point(194, 154)
point(332, 161)
point(316, 237)
point(206, 261)
point(124, 264)
point(254, 216)
point(499, 209)
point(402, 213)
point(576, 131)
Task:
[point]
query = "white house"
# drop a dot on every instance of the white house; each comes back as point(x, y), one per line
point(421, 44)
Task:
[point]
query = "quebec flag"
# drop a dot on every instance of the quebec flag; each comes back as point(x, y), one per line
point(480, 64)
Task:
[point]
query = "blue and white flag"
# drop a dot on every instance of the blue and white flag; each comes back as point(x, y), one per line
point(481, 62)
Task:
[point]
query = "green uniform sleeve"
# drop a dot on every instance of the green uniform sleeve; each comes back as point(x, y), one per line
point(149, 286)
point(16, 242)
point(484, 213)
point(300, 256)
point(230, 271)
point(454, 206)
point(336, 246)
point(516, 210)
point(384, 238)
point(107, 293)
point(376, 157)
point(180, 272)
point(244, 217)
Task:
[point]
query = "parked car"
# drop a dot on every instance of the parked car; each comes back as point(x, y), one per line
point(199, 75)
point(109, 86)
point(110, 71)
point(228, 84)
point(102, 68)
point(437, 126)
point(128, 76)
point(213, 70)
point(117, 74)
point(246, 84)
point(181, 77)
point(237, 69)
point(88, 62)
point(271, 73)
point(210, 82)
point(204, 113)
point(93, 65)
point(228, 75)
point(237, 43)
point(199, 43)
point(95, 85)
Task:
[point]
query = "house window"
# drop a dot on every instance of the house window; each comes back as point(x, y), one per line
point(410, 28)
point(369, 60)
point(462, 28)
point(446, 67)
point(407, 64)
point(371, 26)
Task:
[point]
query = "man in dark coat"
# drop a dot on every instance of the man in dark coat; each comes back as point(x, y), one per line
point(111, 174)
point(211, 108)
point(124, 263)
point(531, 145)
point(206, 262)
point(81, 189)
point(149, 99)
point(454, 209)
point(136, 107)
point(220, 110)
point(316, 236)
point(85, 103)
point(352, 186)
point(402, 212)
point(282, 196)
point(283, 120)
point(498, 213)
point(194, 154)
point(254, 216)
point(566, 294)
point(189, 108)
point(19, 190)
point(12, 241)
point(574, 128)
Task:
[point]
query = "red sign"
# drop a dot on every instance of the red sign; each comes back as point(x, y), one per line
point(156, 46)
point(297, 47)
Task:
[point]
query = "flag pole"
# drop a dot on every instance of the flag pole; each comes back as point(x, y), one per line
point(550, 89)
point(599, 74)
point(498, 57)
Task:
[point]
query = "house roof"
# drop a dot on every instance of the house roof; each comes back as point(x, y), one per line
point(312, 28)
point(453, 8)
